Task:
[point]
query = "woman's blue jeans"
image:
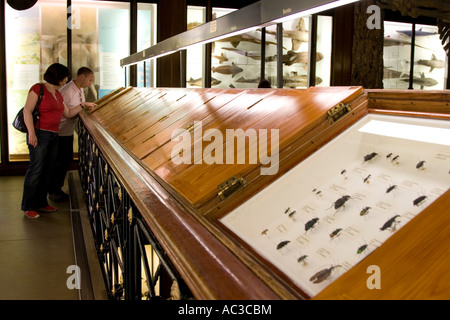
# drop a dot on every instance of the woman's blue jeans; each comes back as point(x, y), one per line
point(42, 161)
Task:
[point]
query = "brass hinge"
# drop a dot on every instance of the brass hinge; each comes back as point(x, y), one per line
point(230, 186)
point(338, 112)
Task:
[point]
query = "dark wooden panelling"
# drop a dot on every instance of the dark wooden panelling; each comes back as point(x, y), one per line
point(341, 64)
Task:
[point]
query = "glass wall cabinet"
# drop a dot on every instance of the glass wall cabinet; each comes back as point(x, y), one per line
point(428, 68)
point(236, 61)
point(37, 37)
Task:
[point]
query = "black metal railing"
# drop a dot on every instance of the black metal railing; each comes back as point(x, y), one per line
point(134, 266)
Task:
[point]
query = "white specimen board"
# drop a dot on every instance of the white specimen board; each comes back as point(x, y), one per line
point(389, 167)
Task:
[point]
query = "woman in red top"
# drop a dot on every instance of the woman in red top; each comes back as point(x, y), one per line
point(42, 138)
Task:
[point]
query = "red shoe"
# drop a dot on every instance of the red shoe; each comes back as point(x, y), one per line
point(48, 209)
point(32, 214)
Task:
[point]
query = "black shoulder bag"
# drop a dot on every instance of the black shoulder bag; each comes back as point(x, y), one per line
point(19, 122)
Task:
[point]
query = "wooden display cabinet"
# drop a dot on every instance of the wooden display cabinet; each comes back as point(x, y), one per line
point(191, 201)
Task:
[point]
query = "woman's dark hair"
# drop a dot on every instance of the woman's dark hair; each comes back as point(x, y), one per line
point(56, 73)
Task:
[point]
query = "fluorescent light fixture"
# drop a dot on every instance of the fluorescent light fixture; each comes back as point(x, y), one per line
point(320, 8)
point(250, 18)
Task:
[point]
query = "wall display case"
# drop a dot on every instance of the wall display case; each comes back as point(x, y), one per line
point(37, 37)
point(236, 61)
point(430, 60)
point(195, 54)
point(317, 182)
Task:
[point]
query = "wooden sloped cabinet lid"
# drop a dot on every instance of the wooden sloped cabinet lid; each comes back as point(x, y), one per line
point(290, 112)
point(143, 120)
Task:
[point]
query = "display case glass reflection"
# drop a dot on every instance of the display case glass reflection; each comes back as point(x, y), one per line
point(329, 215)
point(146, 37)
point(295, 53)
point(23, 67)
point(195, 54)
point(36, 38)
point(323, 50)
point(429, 67)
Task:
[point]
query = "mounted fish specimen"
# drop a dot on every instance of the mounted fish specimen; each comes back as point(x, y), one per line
point(192, 25)
point(256, 55)
point(243, 80)
point(419, 33)
point(294, 80)
point(298, 36)
point(221, 58)
point(422, 81)
point(298, 81)
point(198, 82)
point(229, 69)
point(433, 63)
point(235, 40)
point(292, 57)
point(393, 74)
point(389, 42)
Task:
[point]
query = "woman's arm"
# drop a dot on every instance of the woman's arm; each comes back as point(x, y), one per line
point(28, 117)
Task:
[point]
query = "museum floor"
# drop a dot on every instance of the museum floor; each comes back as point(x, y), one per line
point(36, 253)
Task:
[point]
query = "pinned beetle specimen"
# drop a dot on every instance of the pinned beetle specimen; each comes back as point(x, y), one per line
point(335, 233)
point(302, 259)
point(322, 274)
point(282, 244)
point(370, 156)
point(364, 211)
point(421, 165)
point(390, 224)
point(390, 188)
point(419, 200)
point(341, 202)
point(362, 249)
point(290, 214)
point(311, 223)
point(395, 160)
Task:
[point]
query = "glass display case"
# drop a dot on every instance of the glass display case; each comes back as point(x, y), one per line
point(236, 61)
point(36, 38)
point(195, 54)
point(430, 60)
point(302, 186)
point(328, 216)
